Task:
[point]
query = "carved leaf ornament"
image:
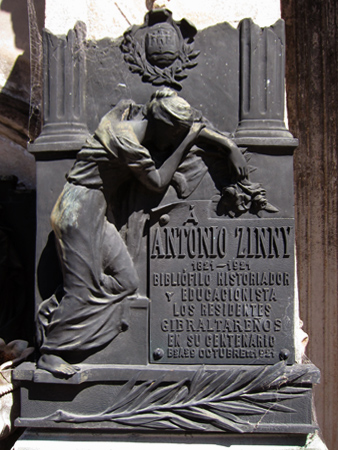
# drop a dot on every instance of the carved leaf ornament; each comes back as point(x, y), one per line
point(161, 49)
point(209, 401)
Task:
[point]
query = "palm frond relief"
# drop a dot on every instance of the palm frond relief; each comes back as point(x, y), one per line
point(210, 401)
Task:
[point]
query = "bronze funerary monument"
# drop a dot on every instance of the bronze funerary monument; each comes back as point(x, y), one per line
point(165, 290)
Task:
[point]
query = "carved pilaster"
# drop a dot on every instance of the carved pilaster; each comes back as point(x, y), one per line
point(262, 67)
point(64, 73)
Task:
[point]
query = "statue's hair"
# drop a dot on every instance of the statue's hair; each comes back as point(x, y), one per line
point(167, 106)
point(162, 93)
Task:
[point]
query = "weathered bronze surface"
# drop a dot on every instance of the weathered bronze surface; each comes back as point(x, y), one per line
point(166, 286)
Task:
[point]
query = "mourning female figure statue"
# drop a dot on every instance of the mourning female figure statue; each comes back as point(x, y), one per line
point(98, 272)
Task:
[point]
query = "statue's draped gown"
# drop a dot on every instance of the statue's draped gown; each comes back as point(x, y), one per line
point(98, 272)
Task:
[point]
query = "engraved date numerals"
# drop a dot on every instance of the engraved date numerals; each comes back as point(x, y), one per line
point(202, 265)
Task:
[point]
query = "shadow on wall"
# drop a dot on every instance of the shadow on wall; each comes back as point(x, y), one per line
point(18, 121)
point(19, 17)
point(17, 203)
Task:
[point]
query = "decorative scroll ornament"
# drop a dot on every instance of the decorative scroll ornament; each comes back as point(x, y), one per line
point(161, 49)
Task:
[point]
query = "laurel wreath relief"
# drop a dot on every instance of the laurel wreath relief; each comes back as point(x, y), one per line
point(138, 63)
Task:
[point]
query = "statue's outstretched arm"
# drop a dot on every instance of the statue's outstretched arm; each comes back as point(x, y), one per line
point(211, 137)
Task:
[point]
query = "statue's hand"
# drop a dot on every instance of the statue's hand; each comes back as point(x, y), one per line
point(193, 134)
point(226, 146)
point(240, 165)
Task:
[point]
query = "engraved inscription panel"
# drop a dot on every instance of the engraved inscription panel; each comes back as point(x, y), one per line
point(221, 289)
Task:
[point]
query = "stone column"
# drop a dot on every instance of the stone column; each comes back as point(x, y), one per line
point(64, 74)
point(262, 67)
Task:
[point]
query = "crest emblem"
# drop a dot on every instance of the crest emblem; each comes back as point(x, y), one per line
point(161, 50)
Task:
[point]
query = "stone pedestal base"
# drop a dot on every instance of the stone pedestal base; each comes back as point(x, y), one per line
point(37, 440)
point(276, 399)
